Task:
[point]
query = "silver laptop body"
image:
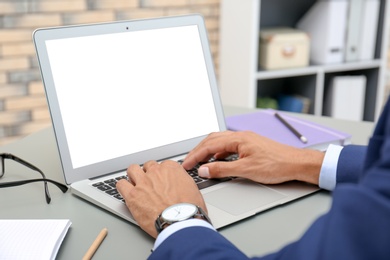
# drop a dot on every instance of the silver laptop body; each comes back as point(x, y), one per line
point(127, 92)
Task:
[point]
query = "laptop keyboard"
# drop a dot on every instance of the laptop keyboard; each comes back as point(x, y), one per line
point(109, 186)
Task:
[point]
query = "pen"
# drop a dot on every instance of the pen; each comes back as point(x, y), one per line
point(95, 245)
point(292, 129)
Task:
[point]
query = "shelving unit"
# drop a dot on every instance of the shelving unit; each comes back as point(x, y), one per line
point(242, 81)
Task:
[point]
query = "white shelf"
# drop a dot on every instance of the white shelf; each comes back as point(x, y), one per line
point(241, 81)
point(313, 69)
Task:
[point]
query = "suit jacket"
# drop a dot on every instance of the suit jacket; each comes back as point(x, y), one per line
point(357, 225)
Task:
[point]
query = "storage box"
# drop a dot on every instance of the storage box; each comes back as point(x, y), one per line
point(283, 48)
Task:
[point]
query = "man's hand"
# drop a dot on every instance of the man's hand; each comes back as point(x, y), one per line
point(260, 159)
point(153, 188)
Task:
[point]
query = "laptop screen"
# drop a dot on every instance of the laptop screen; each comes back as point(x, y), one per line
point(122, 94)
point(127, 92)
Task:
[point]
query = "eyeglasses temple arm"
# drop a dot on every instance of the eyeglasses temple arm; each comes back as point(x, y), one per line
point(27, 164)
point(61, 186)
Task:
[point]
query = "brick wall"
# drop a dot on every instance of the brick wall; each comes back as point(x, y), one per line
point(23, 107)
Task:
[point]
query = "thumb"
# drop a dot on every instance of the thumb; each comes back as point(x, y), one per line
point(214, 170)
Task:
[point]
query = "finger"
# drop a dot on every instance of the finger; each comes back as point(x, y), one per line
point(170, 166)
point(221, 169)
point(134, 171)
point(204, 150)
point(222, 155)
point(218, 143)
point(124, 188)
point(170, 163)
point(149, 164)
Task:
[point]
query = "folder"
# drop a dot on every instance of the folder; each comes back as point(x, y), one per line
point(326, 22)
point(294, 103)
point(354, 23)
point(344, 98)
point(266, 124)
point(369, 28)
point(290, 103)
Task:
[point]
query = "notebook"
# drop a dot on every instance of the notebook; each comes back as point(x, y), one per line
point(127, 92)
point(34, 239)
point(265, 123)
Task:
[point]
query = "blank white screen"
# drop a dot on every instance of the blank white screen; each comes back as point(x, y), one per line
point(128, 92)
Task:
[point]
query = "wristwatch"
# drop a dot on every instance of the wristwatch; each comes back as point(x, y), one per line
point(179, 212)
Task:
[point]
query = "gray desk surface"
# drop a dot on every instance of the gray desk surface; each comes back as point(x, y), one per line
point(258, 235)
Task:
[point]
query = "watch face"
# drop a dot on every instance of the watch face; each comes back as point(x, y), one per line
point(179, 212)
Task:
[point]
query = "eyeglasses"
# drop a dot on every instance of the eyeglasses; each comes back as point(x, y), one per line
point(4, 156)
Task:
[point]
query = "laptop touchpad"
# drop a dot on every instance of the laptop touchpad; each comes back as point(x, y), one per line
point(242, 197)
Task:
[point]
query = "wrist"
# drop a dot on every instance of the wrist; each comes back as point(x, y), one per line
point(177, 213)
point(307, 165)
point(179, 226)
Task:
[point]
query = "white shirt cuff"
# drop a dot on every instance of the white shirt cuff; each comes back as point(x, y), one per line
point(329, 167)
point(178, 226)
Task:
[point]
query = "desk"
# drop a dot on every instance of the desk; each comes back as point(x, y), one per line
point(258, 235)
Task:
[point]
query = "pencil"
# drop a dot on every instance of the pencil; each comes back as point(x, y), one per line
point(95, 245)
point(291, 128)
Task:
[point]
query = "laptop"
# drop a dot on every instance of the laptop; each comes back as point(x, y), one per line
point(126, 92)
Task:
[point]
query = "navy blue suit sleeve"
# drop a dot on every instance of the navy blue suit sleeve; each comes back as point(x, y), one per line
point(197, 243)
point(350, 164)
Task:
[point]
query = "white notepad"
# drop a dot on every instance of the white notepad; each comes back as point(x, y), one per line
point(32, 238)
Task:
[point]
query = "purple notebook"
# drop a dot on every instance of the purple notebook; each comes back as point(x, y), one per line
point(265, 123)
